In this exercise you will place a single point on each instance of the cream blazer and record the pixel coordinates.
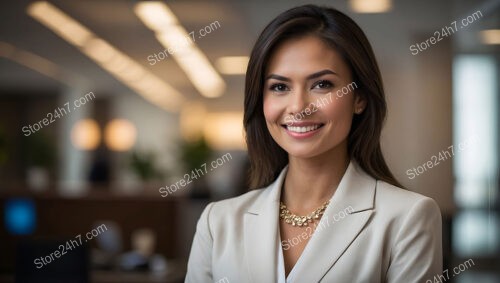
(376, 233)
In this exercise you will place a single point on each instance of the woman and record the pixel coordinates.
(325, 207)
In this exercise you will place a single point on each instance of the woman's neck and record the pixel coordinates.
(310, 182)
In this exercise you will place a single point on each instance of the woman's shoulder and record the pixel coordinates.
(389, 192)
(399, 201)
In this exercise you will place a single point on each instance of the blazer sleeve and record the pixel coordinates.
(417, 252)
(199, 267)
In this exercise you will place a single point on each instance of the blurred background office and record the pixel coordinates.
(121, 120)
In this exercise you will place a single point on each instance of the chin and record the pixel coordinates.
(308, 151)
(302, 151)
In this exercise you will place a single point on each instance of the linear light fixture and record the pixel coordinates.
(117, 63)
(232, 65)
(34, 62)
(60, 23)
(171, 34)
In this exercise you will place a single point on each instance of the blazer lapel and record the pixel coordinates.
(261, 233)
(350, 209)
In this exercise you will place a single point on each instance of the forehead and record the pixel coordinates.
(303, 56)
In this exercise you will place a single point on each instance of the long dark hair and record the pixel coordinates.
(341, 33)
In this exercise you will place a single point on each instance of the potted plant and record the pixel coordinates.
(40, 156)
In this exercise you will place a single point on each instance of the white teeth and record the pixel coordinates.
(302, 129)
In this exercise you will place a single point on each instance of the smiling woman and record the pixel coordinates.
(307, 170)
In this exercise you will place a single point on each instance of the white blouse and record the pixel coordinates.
(281, 261)
(281, 265)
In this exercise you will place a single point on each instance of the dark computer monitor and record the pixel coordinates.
(70, 267)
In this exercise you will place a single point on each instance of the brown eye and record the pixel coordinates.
(323, 84)
(278, 87)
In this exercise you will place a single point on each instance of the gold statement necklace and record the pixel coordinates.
(297, 220)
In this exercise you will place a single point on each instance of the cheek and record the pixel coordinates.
(339, 112)
(272, 109)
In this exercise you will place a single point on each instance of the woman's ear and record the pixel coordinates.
(359, 103)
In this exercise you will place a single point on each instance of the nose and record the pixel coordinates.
(299, 100)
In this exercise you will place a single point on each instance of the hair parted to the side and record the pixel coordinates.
(340, 32)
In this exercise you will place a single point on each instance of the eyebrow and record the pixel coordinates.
(310, 77)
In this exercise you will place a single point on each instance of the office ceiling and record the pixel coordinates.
(240, 23)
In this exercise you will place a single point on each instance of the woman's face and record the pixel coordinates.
(309, 98)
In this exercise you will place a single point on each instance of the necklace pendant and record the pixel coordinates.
(301, 221)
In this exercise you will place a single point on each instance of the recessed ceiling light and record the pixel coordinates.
(86, 134)
(224, 130)
(490, 36)
(120, 135)
(191, 120)
(370, 6)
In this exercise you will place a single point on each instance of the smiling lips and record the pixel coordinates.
(302, 130)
